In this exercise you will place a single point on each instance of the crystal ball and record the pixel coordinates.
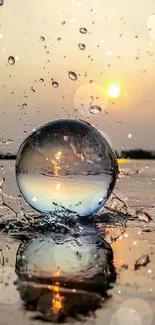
(66, 163)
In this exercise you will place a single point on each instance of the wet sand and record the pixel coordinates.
(132, 299)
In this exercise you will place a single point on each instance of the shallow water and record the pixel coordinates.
(136, 183)
(133, 295)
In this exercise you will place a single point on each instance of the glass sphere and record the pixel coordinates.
(66, 163)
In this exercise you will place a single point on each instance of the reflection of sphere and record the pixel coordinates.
(68, 257)
(75, 271)
(66, 163)
(88, 96)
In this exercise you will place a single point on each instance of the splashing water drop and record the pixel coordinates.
(72, 75)
(83, 30)
(33, 90)
(58, 165)
(24, 105)
(95, 110)
(42, 38)
(81, 46)
(11, 60)
(55, 84)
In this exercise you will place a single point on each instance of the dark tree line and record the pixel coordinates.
(131, 154)
(137, 154)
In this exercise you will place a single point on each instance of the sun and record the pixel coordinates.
(113, 90)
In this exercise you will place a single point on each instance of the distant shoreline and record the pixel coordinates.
(120, 159)
(136, 154)
(3, 157)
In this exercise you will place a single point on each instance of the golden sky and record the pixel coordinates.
(119, 48)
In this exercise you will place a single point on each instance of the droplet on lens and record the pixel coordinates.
(83, 30)
(72, 75)
(95, 110)
(81, 46)
(11, 60)
(58, 165)
(1, 2)
(41, 80)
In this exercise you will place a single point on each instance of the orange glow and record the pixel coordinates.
(57, 155)
(122, 160)
(56, 299)
(57, 273)
(58, 186)
(113, 90)
(116, 246)
(112, 206)
(56, 168)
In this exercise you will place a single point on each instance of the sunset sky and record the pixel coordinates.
(119, 49)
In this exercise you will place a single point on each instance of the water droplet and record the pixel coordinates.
(33, 90)
(81, 46)
(2, 168)
(24, 105)
(41, 80)
(42, 38)
(59, 39)
(72, 148)
(55, 84)
(83, 30)
(95, 110)
(11, 60)
(63, 23)
(1, 2)
(72, 75)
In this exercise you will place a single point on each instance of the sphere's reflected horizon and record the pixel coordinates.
(66, 163)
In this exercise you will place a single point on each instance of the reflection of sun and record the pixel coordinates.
(113, 90)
